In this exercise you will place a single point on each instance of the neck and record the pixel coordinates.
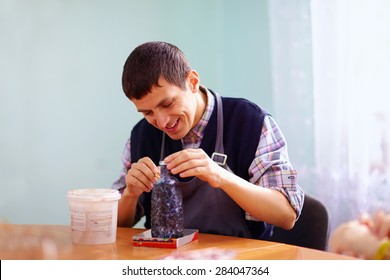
(201, 103)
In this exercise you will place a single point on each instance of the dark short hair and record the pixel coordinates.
(150, 61)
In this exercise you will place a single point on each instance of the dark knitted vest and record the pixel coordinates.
(242, 122)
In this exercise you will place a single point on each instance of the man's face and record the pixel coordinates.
(171, 109)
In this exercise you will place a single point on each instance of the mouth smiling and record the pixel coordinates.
(172, 126)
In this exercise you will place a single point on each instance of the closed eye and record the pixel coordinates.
(167, 105)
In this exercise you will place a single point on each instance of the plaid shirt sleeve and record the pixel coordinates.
(271, 167)
(120, 183)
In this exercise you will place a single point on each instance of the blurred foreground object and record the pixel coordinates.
(29, 243)
(366, 238)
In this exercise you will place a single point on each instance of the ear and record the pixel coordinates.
(193, 81)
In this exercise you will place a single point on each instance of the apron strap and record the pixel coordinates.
(219, 155)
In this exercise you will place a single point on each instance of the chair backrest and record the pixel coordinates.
(311, 230)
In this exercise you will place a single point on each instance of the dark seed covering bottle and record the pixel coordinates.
(167, 206)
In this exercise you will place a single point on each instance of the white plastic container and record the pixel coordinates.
(94, 215)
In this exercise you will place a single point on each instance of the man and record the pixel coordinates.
(229, 154)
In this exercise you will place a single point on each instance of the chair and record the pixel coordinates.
(311, 230)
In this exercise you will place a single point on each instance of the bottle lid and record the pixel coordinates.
(162, 162)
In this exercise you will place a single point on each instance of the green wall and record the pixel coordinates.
(63, 116)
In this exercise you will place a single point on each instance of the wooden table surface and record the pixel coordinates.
(55, 242)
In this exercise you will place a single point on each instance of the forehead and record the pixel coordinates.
(158, 94)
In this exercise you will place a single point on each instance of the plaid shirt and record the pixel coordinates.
(270, 168)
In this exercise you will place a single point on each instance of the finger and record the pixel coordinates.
(183, 156)
(195, 168)
(142, 174)
(149, 169)
(138, 176)
(150, 165)
(135, 186)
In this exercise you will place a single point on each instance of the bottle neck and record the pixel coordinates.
(164, 170)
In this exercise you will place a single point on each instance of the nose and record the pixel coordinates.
(161, 120)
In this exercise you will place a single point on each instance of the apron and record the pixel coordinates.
(208, 209)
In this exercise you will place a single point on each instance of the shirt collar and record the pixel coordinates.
(195, 136)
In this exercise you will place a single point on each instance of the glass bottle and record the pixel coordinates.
(167, 206)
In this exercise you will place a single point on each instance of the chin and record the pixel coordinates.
(175, 136)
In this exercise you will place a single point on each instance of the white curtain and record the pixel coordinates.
(345, 120)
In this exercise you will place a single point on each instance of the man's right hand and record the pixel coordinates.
(141, 176)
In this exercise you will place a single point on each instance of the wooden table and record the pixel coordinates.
(55, 242)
